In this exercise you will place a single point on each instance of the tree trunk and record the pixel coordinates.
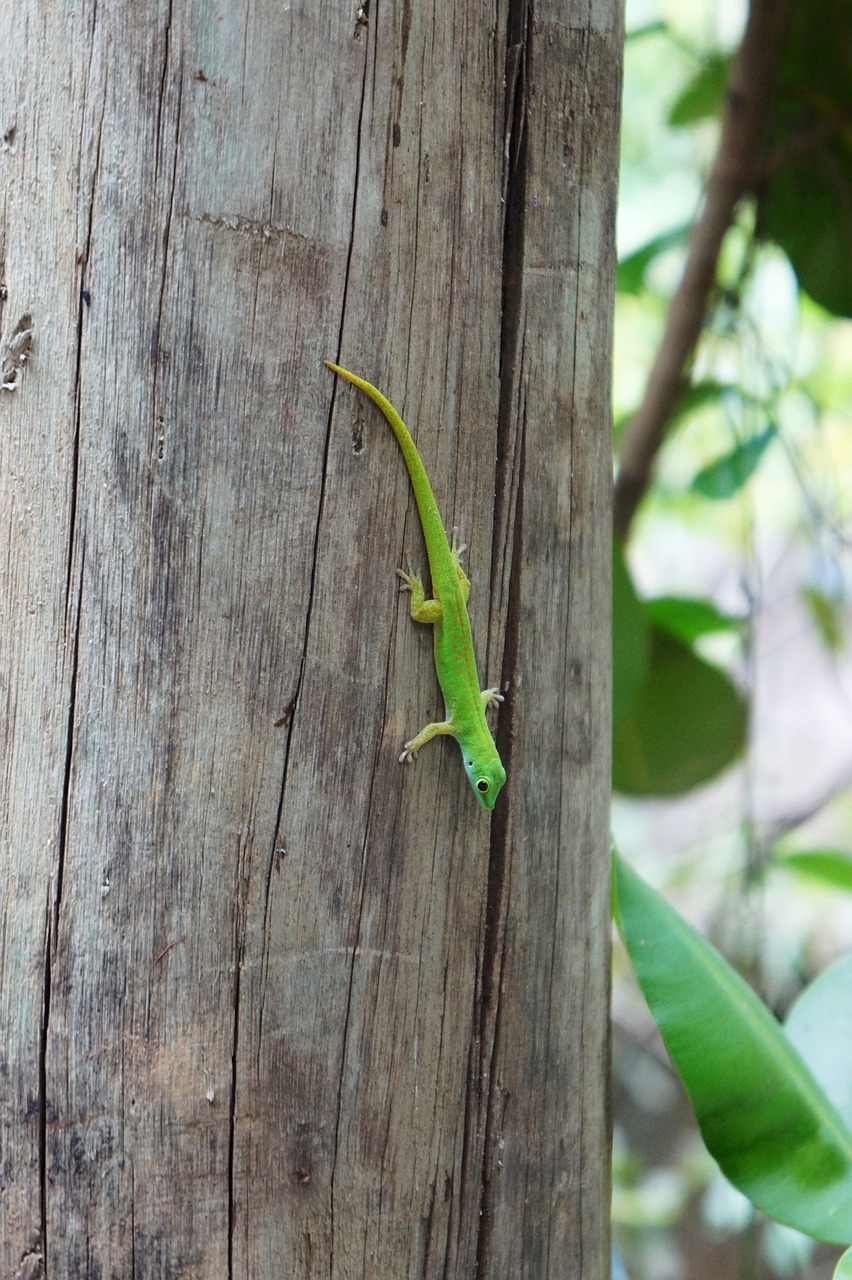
(271, 1005)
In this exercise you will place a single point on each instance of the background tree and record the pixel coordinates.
(269, 1005)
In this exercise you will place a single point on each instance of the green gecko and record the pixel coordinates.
(447, 612)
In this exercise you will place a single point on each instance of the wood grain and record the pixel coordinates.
(271, 1005)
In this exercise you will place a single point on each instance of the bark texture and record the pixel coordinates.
(269, 1004)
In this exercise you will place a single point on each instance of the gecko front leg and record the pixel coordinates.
(425, 735)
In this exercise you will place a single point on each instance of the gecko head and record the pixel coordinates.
(486, 775)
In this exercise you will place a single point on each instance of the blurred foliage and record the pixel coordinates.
(806, 206)
(685, 722)
(702, 96)
(751, 481)
(725, 476)
(832, 867)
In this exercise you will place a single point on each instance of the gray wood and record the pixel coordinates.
(271, 1005)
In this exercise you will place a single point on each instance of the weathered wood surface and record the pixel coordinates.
(269, 1005)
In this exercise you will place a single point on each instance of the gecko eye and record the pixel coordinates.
(482, 784)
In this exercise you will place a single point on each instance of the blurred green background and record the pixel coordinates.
(732, 667)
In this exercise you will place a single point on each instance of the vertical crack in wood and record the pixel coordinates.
(356, 178)
(307, 632)
(510, 449)
(169, 209)
(72, 632)
(78, 371)
(343, 1044)
(42, 1082)
(133, 1271)
(333, 1174)
(294, 702)
(497, 902)
(53, 910)
(232, 1104)
(160, 99)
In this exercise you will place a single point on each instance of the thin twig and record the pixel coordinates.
(166, 949)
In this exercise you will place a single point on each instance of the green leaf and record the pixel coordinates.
(703, 96)
(762, 1114)
(700, 394)
(843, 1270)
(807, 205)
(826, 611)
(696, 397)
(630, 638)
(686, 723)
(829, 866)
(688, 617)
(727, 475)
(655, 28)
(630, 276)
(819, 1024)
(808, 212)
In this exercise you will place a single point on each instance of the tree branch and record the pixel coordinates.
(734, 172)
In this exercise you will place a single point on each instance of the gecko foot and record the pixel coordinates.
(408, 579)
(455, 550)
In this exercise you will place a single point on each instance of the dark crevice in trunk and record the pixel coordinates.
(510, 425)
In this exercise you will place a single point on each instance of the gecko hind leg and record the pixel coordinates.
(491, 698)
(456, 552)
(422, 610)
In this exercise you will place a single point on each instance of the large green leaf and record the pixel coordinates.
(843, 1270)
(630, 638)
(762, 1114)
(685, 724)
